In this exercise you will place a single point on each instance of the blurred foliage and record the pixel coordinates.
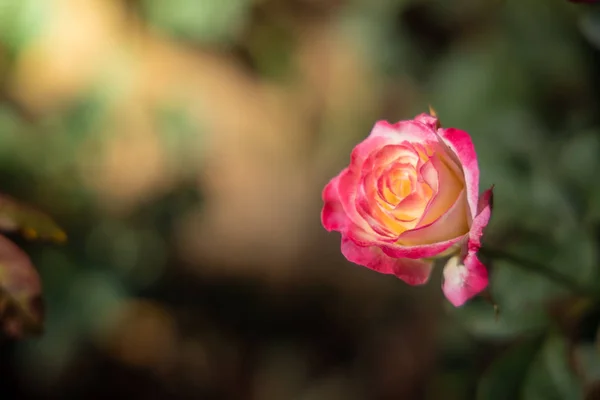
(21, 303)
(183, 146)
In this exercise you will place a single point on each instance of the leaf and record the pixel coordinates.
(21, 21)
(550, 376)
(205, 21)
(504, 377)
(588, 359)
(20, 292)
(33, 224)
(590, 28)
(485, 322)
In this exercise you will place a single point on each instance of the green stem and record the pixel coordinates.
(541, 269)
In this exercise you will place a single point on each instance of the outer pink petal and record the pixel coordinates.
(333, 216)
(428, 119)
(384, 133)
(481, 219)
(462, 146)
(413, 272)
(348, 182)
(420, 251)
(463, 281)
(411, 131)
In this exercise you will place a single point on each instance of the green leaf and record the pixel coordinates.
(20, 292)
(481, 320)
(578, 159)
(590, 28)
(206, 21)
(21, 22)
(32, 223)
(504, 377)
(550, 377)
(588, 359)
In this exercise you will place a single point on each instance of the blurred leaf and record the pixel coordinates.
(32, 223)
(577, 255)
(20, 291)
(546, 47)
(550, 376)
(20, 21)
(588, 360)
(524, 297)
(505, 376)
(590, 27)
(271, 48)
(578, 160)
(207, 20)
(182, 137)
(97, 296)
(474, 87)
(480, 320)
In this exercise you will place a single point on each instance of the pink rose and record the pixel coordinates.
(411, 194)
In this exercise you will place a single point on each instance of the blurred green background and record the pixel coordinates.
(183, 146)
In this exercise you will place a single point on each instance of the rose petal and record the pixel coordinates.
(461, 145)
(420, 251)
(410, 209)
(463, 281)
(409, 131)
(333, 216)
(428, 120)
(447, 190)
(382, 135)
(348, 185)
(452, 224)
(481, 220)
(374, 211)
(413, 272)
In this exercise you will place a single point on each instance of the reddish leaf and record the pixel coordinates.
(20, 292)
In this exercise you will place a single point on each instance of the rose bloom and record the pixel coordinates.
(410, 195)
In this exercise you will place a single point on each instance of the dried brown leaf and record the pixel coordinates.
(33, 224)
(21, 310)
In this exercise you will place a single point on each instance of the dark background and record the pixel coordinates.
(183, 146)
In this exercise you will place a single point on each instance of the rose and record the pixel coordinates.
(410, 195)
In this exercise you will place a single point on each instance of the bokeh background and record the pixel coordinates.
(183, 146)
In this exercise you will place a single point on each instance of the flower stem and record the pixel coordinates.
(541, 269)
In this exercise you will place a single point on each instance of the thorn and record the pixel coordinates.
(432, 111)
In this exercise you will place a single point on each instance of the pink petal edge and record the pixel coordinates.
(413, 272)
(463, 281)
(481, 219)
(333, 217)
(460, 143)
(428, 119)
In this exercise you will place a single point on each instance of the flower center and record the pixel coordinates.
(404, 191)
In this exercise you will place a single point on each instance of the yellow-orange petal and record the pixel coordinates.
(452, 224)
(447, 190)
